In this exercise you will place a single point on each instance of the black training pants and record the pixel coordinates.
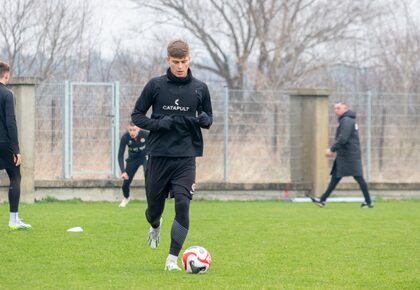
(131, 168)
(13, 171)
(335, 180)
(14, 188)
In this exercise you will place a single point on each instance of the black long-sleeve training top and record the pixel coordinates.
(8, 128)
(182, 99)
(136, 148)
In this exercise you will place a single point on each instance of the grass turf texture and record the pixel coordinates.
(254, 245)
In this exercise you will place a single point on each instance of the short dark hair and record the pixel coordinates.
(131, 123)
(178, 48)
(4, 68)
(341, 103)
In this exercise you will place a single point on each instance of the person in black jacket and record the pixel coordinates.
(348, 161)
(181, 106)
(10, 158)
(135, 139)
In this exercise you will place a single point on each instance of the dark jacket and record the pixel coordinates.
(347, 146)
(8, 128)
(136, 148)
(175, 102)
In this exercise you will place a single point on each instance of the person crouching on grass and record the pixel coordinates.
(135, 139)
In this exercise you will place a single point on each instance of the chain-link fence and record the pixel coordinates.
(49, 130)
(248, 142)
(83, 132)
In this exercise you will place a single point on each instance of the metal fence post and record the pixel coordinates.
(369, 136)
(115, 124)
(226, 136)
(67, 128)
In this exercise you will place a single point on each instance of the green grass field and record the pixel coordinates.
(254, 245)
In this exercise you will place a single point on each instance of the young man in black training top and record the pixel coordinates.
(10, 158)
(181, 106)
(348, 161)
(135, 139)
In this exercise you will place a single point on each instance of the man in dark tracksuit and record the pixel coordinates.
(135, 139)
(348, 161)
(181, 106)
(10, 158)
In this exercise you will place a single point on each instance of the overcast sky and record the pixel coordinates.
(122, 19)
(115, 19)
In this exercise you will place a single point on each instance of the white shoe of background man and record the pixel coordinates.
(124, 202)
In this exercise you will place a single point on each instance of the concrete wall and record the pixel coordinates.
(110, 190)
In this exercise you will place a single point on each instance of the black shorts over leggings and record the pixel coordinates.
(167, 176)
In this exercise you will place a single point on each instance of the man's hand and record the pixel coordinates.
(329, 153)
(17, 159)
(203, 120)
(124, 176)
(165, 123)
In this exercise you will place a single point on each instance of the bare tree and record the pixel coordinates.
(396, 54)
(300, 38)
(397, 46)
(15, 25)
(269, 42)
(40, 35)
(223, 27)
(137, 69)
(127, 66)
